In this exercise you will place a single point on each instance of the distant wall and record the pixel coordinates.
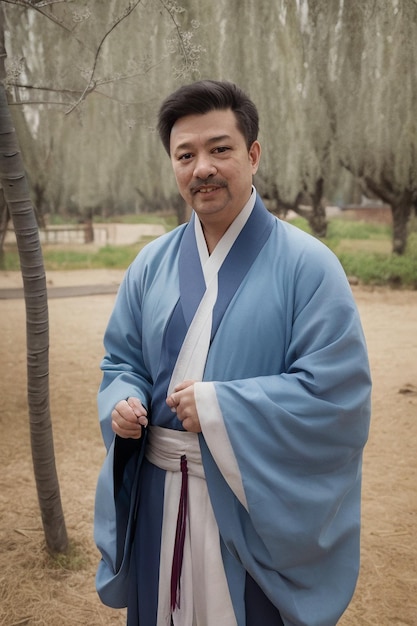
(99, 234)
(378, 214)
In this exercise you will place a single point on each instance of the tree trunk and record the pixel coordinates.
(401, 207)
(317, 219)
(401, 213)
(4, 221)
(17, 197)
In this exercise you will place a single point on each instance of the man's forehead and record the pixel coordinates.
(213, 126)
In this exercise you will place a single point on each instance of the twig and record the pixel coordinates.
(91, 84)
(23, 531)
(177, 28)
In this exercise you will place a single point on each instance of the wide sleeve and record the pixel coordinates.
(297, 436)
(124, 375)
(124, 370)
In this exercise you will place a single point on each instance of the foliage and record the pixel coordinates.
(169, 221)
(67, 258)
(363, 249)
(91, 82)
(353, 229)
(378, 269)
(315, 65)
(339, 229)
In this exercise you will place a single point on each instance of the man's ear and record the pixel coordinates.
(255, 156)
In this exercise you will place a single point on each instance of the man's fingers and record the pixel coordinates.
(137, 407)
(127, 433)
(128, 418)
(175, 398)
(126, 428)
(172, 402)
(184, 385)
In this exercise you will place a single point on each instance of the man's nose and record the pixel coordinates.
(204, 166)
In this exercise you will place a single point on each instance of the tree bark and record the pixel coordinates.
(317, 219)
(401, 213)
(315, 216)
(401, 207)
(16, 193)
(4, 221)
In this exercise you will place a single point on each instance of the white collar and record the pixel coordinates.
(212, 263)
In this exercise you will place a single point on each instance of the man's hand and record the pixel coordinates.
(182, 402)
(128, 417)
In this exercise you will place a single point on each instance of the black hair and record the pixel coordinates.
(202, 97)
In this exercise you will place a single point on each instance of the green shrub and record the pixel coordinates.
(378, 269)
(364, 250)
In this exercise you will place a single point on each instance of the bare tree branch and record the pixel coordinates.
(78, 92)
(372, 187)
(33, 4)
(38, 7)
(38, 102)
(42, 88)
(91, 83)
(170, 11)
(43, 3)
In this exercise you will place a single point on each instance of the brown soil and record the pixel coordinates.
(34, 590)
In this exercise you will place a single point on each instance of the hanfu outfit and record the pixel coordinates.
(257, 518)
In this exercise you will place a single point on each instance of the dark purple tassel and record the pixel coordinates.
(179, 538)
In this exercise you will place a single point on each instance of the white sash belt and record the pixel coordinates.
(165, 448)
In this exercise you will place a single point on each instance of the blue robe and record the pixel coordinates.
(289, 363)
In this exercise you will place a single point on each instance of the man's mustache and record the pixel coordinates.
(212, 182)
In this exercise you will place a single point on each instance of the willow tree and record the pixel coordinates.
(267, 47)
(335, 83)
(295, 131)
(374, 87)
(340, 90)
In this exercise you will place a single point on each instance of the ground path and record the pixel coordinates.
(34, 592)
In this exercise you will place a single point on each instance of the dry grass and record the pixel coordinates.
(37, 590)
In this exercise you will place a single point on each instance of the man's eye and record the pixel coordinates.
(220, 149)
(185, 157)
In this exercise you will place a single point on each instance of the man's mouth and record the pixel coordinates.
(206, 188)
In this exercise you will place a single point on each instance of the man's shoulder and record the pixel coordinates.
(169, 242)
(302, 258)
(299, 241)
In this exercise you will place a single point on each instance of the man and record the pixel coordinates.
(234, 403)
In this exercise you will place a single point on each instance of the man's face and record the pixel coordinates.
(213, 166)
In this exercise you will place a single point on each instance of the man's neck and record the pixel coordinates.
(214, 230)
(213, 236)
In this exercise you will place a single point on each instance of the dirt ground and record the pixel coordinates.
(34, 591)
